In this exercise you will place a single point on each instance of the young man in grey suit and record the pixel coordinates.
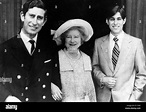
(118, 62)
(27, 63)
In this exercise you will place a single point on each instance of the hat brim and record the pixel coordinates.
(70, 23)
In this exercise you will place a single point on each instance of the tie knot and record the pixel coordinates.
(31, 41)
(115, 39)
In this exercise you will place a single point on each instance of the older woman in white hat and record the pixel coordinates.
(75, 66)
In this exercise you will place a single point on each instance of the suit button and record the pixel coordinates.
(26, 99)
(5, 50)
(18, 76)
(44, 97)
(26, 88)
(39, 79)
(44, 86)
(22, 65)
(47, 74)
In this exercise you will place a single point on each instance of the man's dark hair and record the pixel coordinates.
(34, 3)
(112, 10)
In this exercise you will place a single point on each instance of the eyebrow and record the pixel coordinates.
(36, 15)
(114, 17)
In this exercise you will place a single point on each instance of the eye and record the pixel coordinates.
(68, 37)
(119, 18)
(76, 36)
(111, 19)
(32, 15)
(40, 18)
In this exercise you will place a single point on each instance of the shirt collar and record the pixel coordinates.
(120, 36)
(26, 38)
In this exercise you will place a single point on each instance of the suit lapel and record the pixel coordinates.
(123, 52)
(20, 52)
(105, 50)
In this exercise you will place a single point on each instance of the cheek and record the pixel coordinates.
(110, 25)
(66, 42)
(26, 24)
(111, 28)
(80, 42)
(41, 23)
(122, 24)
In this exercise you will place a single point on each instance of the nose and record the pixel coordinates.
(115, 21)
(72, 39)
(34, 21)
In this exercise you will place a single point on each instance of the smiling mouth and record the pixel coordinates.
(72, 44)
(33, 28)
(116, 27)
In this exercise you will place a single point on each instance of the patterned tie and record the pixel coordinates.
(32, 45)
(115, 53)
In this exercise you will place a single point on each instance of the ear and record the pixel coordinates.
(107, 22)
(124, 21)
(22, 16)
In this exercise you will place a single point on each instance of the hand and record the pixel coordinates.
(12, 99)
(109, 81)
(56, 92)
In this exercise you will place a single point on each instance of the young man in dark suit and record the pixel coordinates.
(27, 64)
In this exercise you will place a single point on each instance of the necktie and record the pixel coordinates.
(115, 53)
(32, 45)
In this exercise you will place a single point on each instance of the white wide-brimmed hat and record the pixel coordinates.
(70, 23)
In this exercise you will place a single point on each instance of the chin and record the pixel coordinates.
(73, 49)
(116, 32)
(33, 32)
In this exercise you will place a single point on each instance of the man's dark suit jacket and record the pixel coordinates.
(31, 76)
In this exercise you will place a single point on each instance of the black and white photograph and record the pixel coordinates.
(73, 52)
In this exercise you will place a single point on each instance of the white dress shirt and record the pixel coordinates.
(26, 39)
(112, 42)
